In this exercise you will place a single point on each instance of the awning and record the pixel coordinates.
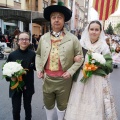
(22, 15)
(38, 18)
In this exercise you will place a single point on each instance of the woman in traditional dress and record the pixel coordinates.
(92, 100)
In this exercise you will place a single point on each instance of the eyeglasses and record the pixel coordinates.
(24, 39)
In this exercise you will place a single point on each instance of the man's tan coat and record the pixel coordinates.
(68, 49)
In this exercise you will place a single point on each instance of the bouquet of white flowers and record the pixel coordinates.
(14, 70)
(97, 64)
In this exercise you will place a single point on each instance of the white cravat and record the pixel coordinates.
(55, 34)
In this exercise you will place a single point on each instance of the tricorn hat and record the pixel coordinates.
(59, 7)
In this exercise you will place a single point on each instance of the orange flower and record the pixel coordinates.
(87, 68)
(90, 67)
(19, 78)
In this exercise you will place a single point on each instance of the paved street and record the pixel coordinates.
(37, 102)
(38, 113)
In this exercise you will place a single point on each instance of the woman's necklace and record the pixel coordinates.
(92, 42)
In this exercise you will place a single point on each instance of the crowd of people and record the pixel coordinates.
(4, 38)
(9, 42)
(113, 42)
(59, 56)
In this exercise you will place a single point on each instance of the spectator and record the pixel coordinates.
(28, 62)
(17, 31)
(0, 34)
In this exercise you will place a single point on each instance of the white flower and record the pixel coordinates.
(99, 58)
(10, 68)
(93, 61)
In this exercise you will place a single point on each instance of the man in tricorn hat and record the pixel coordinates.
(55, 60)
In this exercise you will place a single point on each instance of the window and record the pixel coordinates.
(36, 9)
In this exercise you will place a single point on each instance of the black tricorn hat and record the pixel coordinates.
(57, 8)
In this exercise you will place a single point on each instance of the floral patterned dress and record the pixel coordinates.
(91, 100)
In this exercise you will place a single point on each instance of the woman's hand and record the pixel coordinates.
(78, 58)
(40, 74)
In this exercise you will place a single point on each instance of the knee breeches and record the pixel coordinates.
(56, 89)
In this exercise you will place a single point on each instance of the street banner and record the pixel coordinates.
(105, 8)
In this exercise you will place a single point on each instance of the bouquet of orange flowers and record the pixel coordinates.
(14, 70)
(97, 64)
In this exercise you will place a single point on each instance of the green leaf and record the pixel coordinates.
(19, 61)
(89, 57)
(108, 66)
(21, 84)
(100, 72)
(12, 83)
(89, 73)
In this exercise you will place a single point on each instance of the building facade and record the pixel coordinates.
(28, 15)
(114, 20)
(25, 14)
(78, 14)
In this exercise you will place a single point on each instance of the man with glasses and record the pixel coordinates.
(27, 56)
(55, 60)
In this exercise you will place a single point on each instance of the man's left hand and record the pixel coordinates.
(66, 75)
